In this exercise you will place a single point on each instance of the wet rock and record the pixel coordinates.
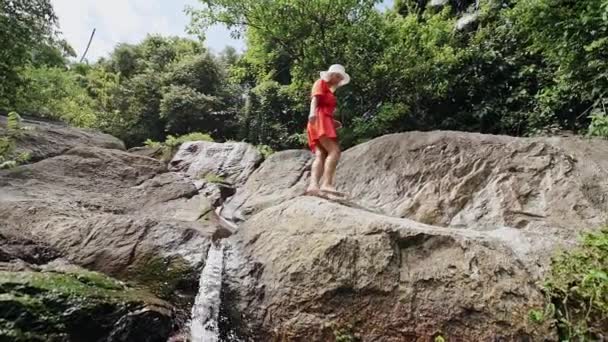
(77, 305)
(136, 326)
(19, 248)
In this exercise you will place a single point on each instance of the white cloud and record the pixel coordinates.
(128, 21)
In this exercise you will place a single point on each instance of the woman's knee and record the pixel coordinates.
(320, 153)
(330, 146)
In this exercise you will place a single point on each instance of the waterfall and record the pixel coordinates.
(206, 309)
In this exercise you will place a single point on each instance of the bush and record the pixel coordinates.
(265, 150)
(599, 125)
(170, 146)
(8, 157)
(271, 116)
(56, 94)
(578, 288)
(185, 110)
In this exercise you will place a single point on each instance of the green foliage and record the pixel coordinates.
(513, 72)
(599, 125)
(214, 179)
(265, 150)
(439, 338)
(526, 67)
(272, 115)
(196, 136)
(578, 287)
(345, 335)
(55, 93)
(538, 316)
(9, 158)
(152, 143)
(166, 86)
(185, 110)
(26, 26)
(13, 122)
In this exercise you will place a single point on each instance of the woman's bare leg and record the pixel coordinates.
(317, 169)
(331, 162)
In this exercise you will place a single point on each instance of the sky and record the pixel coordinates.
(129, 21)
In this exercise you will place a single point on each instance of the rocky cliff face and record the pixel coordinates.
(445, 234)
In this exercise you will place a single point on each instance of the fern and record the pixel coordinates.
(8, 157)
(14, 121)
(153, 144)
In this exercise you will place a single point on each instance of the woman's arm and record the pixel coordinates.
(313, 109)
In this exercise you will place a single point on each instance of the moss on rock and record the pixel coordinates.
(170, 278)
(72, 306)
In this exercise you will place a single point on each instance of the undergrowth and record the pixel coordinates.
(577, 289)
(9, 158)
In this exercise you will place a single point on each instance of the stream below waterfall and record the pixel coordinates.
(204, 326)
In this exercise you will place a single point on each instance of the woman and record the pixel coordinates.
(322, 136)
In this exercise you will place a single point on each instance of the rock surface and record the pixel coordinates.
(497, 208)
(308, 268)
(445, 234)
(231, 162)
(284, 175)
(474, 181)
(113, 212)
(48, 139)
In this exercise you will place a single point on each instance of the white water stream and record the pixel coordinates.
(206, 309)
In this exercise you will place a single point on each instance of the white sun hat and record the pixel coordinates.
(336, 69)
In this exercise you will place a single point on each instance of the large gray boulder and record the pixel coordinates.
(552, 185)
(309, 269)
(232, 162)
(457, 180)
(48, 139)
(458, 236)
(113, 212)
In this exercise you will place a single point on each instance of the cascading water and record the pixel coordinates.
(206, 309)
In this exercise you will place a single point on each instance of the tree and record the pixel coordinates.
(55, 93)
(199, 72)
(300, 34)
(161, 86)
(571, 37)
(291, 41)
(25, 26)
(186, 110)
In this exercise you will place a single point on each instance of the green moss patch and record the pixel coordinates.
(168, 278)
(75, 306)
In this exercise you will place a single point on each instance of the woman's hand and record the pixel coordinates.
(337, 124)
(312, 116)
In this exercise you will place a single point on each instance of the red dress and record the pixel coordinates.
(323, 126)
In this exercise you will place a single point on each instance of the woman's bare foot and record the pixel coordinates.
(312, 191)
(331, 190)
